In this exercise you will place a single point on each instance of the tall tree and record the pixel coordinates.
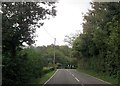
(100, 38)
(20, 20)
(19, 23)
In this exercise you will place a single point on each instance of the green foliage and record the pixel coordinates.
(15, 69)
(97, 48)
(47, 69)
(26, 66)
(35, 63)
(19, 23)
(43, 79)
(62, 55)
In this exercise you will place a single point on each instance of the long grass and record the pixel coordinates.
(101, 76)
(43, 79)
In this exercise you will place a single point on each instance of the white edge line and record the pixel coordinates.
(102, 80)
(50, 78)
(97, 78)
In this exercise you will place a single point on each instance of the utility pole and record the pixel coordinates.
(54, 53)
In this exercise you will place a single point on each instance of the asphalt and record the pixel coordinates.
(71, 77)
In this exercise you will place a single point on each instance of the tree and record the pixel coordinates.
(99, 41)
(70, 38)
(19, 22)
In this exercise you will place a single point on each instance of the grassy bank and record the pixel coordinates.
(43, 79)
(102, 76)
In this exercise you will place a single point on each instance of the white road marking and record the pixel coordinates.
(101, 80)
(50, 78)
(97, 78)
(73, 75)
(77, 79)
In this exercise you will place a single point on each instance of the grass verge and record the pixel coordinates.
(44, 78)
(101, 76)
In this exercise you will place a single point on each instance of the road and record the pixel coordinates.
(71, 77)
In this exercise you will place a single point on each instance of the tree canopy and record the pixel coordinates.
(97, 48)
(20, 20)
(19, 23)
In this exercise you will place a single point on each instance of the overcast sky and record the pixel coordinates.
(68, 20)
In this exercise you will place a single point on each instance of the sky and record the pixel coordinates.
(67, 21)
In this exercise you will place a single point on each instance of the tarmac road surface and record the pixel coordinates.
(71, 77)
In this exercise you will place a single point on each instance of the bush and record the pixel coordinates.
(47, 70)
(21, 69)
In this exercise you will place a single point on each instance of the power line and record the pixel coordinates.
(57, 42)
(54, 61)
(48, 33)
(51, 36)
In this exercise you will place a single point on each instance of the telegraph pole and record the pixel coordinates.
(54, 53)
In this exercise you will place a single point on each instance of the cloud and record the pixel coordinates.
(68, 20)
